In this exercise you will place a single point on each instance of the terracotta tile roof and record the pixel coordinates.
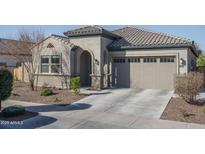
(139, 38)
(90, 30)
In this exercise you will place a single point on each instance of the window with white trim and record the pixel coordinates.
(55, 64)
(51, 64)
(45, 64)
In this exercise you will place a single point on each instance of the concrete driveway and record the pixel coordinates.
(117, 108)
(147, 103)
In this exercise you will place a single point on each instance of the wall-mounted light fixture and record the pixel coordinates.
(182, 62)
(96, 62)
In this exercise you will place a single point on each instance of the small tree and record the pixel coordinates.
(201, 61)
(189, 86)
(75, 85)
(6, 82)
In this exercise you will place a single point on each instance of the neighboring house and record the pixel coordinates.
(127, 57)
(9, 60)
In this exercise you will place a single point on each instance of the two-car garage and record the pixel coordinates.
(153, 72)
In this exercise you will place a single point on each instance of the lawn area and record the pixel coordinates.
(180, 110)
(22, 92)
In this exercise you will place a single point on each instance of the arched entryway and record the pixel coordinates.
(85, 69)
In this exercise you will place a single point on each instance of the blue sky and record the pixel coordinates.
(196, 33)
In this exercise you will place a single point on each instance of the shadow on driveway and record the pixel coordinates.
(53, 108)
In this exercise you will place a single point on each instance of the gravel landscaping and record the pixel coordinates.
(22, 92)
(180, 110)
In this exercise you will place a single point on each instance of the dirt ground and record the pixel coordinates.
(180, 110)
(22, 92)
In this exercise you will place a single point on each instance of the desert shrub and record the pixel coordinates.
(46, 92)
(189, 86)
(12, 111)
(185, 113)
(75, 85)
(6, 83)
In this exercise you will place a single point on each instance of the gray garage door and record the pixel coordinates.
(144, 72)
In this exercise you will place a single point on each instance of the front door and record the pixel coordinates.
(85, 69)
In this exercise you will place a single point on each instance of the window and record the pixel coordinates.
(119, 60)
(50, 64)
(55, 64)
(167, 60)
(44, 64)
(134, 60)
(150, 60)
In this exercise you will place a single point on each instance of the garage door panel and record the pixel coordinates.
(121, 75)
(154, 75)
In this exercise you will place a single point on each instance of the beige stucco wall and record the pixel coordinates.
(91, 44)
(57, 81)
(105, 62)
(191, 60)
(60, 48)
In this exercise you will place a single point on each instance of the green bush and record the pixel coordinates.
(75, 85)
(201, 60)
(6, 83)
(13, 111)
(46, 92)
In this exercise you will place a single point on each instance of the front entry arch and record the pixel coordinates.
(85, 69)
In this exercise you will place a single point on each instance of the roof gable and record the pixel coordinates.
(62, 39)
(90, 31)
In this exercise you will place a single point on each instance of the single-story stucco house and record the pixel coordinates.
(127, 57)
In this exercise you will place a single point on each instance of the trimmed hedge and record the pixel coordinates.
(13, 111)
